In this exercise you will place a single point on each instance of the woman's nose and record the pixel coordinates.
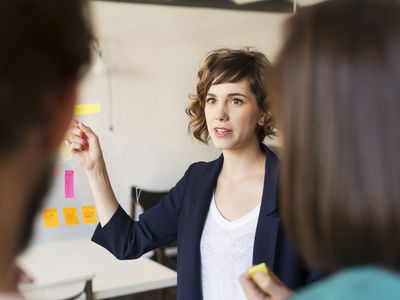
(221, 113)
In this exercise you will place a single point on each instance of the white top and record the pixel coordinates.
(226, 252)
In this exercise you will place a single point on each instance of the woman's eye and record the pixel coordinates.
(211, 100)
(236, 101)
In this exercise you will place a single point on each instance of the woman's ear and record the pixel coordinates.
(261, 119)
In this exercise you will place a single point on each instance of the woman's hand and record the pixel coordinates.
(84, 146)
(266, 286)
(85, 149)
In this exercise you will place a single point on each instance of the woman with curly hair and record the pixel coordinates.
(222, 213)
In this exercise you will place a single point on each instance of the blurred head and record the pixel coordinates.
(220, 68)
(336, 92)
(44, 52)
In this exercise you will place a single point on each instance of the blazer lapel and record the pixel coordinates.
(203, 195)
(268, 221)
(199, 207)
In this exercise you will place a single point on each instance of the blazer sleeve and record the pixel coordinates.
(157, 226)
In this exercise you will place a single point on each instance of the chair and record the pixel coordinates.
(148, 199)
(79, 288)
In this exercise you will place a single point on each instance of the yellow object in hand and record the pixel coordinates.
(257, 268)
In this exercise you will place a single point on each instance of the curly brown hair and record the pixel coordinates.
(229, 65)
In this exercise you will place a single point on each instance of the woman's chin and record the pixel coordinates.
(222, 145)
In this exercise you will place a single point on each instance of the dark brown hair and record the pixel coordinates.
(336, 91)
(228, 65)
(44, 47)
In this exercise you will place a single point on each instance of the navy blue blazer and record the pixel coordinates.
(181, 215)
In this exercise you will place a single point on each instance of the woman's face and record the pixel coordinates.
(232, 115)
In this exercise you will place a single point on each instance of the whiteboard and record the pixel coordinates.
(150, 57)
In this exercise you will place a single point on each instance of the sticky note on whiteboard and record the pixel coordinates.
(87, 109)
(50, 217)
(69, 190)
(89, 215)
(71, 215)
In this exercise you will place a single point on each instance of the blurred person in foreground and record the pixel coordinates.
(44, 51)
(336, 97)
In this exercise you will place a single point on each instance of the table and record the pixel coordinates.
(66, 260)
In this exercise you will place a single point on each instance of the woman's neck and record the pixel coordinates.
(248, 159)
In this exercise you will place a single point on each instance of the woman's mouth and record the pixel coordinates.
(221, 132)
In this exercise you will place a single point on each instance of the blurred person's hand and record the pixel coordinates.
(19, 275)
(265, 286)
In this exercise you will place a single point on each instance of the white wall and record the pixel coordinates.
(152, 54)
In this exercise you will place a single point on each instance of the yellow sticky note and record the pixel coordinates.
(257, 268)
(89, 215)
(87, 109)
(71, 215)
(50, 217)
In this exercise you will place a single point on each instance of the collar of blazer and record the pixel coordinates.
(269, 197)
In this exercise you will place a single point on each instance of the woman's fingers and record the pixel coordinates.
(75, 142)
(251, 291)
(87, 130)
(74, 122)
(76, 139)
(79, 136)
(79, 128)
(77, 131)
(77, 146)
(265, 286)
(271, 285)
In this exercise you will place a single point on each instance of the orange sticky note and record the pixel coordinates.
(50, 217)
(71, 215)
(89, 215)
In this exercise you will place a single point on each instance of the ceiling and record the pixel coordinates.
(248, 5)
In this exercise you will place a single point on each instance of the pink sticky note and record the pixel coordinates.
(69, 184)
